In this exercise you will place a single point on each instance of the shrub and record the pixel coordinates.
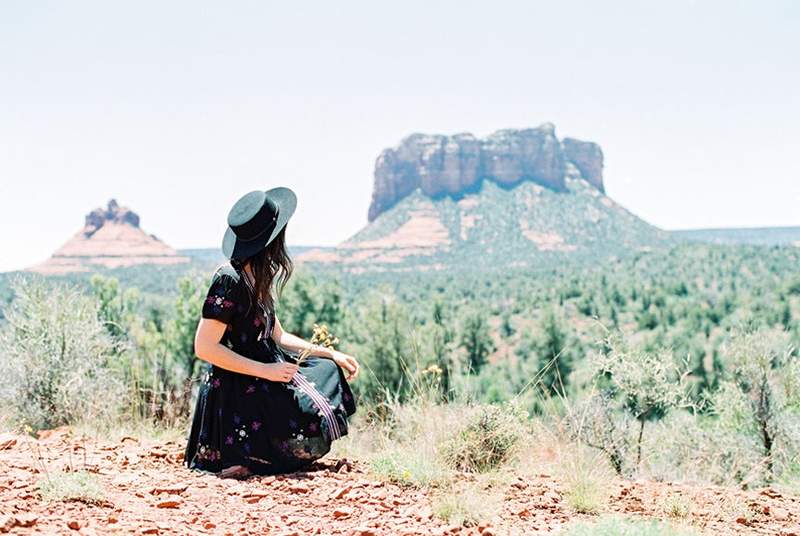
(648, 384)
(595, 422)
(56, 358)
(487, 440)
(759, 395)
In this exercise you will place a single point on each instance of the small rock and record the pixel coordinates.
(487, 532)
(552, 496)
(150, 530)
(7, 441)
(175, 489)
(363, 531)
(299, 487)
(73, 524)
(341, 492)
(779, 514)
(111, 519)
(6, 523)
(208, 525)
(169, 503)
(26, 520)
(341, 512)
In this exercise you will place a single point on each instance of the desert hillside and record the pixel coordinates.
(516, 198)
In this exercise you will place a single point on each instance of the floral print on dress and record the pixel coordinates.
(219, 303)
(207, 453)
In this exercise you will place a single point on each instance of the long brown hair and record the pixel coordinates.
(271, 266)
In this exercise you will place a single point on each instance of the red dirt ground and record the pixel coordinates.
(148, 491)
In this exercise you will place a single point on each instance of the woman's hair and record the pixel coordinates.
(271, 266)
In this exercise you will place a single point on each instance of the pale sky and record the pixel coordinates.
(178, 108)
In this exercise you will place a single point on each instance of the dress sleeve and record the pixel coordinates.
(223, 299)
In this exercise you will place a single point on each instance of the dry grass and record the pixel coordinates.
(619, 526)
(585, 477)
(468, 503)
(78, 486)
(732, 507)
(678, 506)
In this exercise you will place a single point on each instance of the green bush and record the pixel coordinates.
(759, 395)
(486, 440)
(57, 358)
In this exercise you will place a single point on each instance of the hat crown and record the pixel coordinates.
(252, 215)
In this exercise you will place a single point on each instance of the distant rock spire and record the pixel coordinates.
(110, 238)
(112, 213)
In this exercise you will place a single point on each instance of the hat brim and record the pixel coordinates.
(235, 248)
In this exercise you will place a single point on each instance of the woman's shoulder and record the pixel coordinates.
(226, 276)
(225, 270)
(226, 298)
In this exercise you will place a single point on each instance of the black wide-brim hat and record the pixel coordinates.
(255, 220)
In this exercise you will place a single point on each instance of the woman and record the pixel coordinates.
(258, 411)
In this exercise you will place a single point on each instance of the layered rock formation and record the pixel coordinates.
(518, 198)
(111, 237)
(454, 165)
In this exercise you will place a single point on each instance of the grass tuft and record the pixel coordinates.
(79, 486)
(467, 504)
(677, 506)
(585, 476)
(617, 526)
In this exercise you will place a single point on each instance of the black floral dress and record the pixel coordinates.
(268, 427)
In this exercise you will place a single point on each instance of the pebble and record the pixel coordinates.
(169, 503)
(363, 531)
(779, 514)
(299, 487)
(26, 520)
(6, 523)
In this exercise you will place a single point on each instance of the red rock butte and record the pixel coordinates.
(110, 238)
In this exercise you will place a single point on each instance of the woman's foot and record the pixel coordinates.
(235, 471)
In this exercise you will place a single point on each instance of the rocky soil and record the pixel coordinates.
(146, 490)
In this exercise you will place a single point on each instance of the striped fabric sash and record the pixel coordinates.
(319, 401)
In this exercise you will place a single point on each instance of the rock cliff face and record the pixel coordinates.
(454, 165)
(110, 238)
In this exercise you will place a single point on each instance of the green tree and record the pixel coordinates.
(307, 301)
(647, 384)
(476, 340)
(551, 351)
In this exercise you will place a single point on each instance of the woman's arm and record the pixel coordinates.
(207, 346)
(293, 343)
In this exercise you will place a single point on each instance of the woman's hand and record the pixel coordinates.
(347, 362)
(279, 372)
